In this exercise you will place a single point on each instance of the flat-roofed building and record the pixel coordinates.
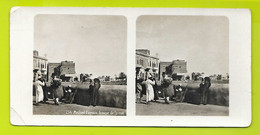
(39, 63)
(162, 68)
(146, 61)
(64, 70)
(176, 69)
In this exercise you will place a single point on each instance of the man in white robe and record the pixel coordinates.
(149, 89)
(39, 91)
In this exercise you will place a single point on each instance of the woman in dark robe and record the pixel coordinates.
(166, 82)
(57, 90)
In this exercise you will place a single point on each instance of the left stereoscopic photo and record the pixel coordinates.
(79, 65)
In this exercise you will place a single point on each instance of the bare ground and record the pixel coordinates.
(159, 108)
(73, 109)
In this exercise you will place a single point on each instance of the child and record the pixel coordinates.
(68, 94)
(178, 93)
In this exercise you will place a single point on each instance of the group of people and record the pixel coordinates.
(204, 90)
(94, 88)
(149, 87)
(59, 93)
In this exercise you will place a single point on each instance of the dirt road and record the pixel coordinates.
(74, 109)
(159, 108)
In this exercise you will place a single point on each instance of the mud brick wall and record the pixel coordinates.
(109, 95)
(218, 93)
(112, 96)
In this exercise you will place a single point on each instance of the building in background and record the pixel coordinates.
(144, 60)
(162, 68)
(40, 63)
(176, 69)
(64, 70)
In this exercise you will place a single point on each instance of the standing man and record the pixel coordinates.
(138, 83)
(201, 90)
(39, 91)
(149, 89)
(96, 87)
(146, 75)
(205, 90)
(155, 87)
(90, 78)
(45, 92)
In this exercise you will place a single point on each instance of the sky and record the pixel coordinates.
(97, 44)
(203, 41)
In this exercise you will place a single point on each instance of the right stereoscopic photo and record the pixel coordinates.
(182, 65)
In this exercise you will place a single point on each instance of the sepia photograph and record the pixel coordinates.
(182, 65)
(79, 65)
(140, 67)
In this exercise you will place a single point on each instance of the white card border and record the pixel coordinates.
(21, 47)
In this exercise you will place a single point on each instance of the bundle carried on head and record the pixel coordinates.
(56, 82)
